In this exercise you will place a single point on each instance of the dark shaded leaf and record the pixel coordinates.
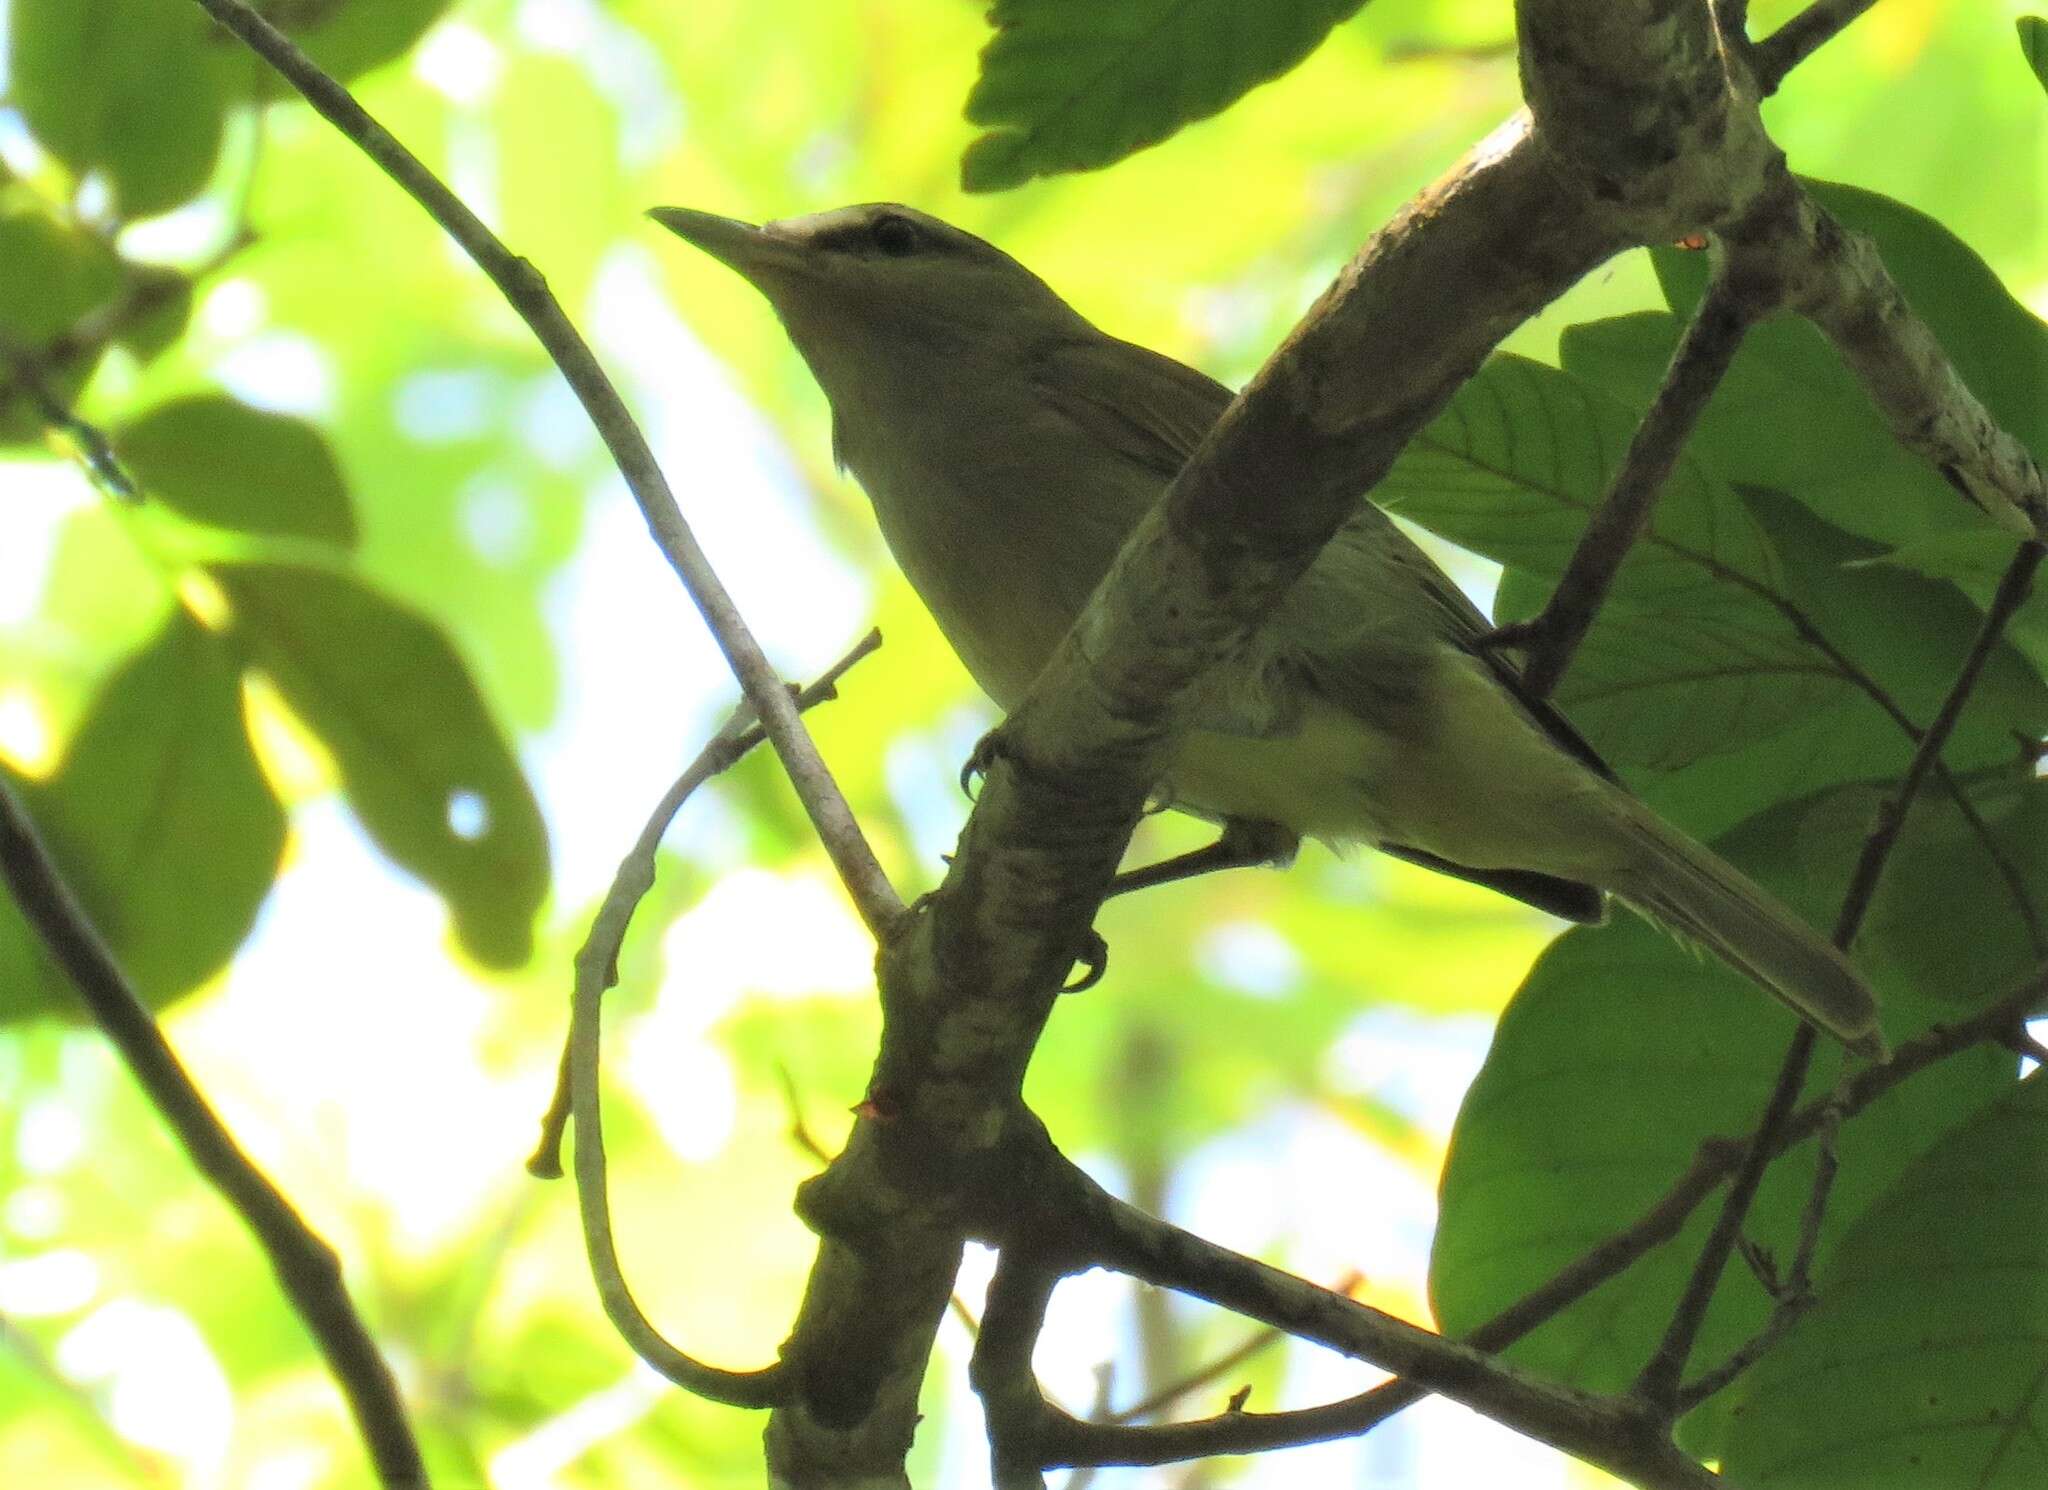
(219, 461)
(2034, 45)
(1073, 85)
(1925, 1360)
(423, 763)
(1623, 1051)
(160, 819)
(136, 89)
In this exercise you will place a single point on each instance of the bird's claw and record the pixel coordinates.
(987, 750)
(1094, 960)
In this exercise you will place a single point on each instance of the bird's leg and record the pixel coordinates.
(1244, 842)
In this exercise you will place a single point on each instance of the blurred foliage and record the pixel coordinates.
(377, 561)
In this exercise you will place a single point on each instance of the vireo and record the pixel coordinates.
(1009, 447)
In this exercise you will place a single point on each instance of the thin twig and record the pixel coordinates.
(1210, 1371)
(635, 877)
(1799, 38)
(95, 450)
(1079, 1442)
(306, 1267)
(1103, 1231)
(2011, 593)
(597, 965)
(1658, 1382)
(527, 292)
(1702, 358)
(1791, 1294)
(1661, 1376)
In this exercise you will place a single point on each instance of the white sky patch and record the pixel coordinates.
(163, 1388)
(536, 1460)
(766, 935)
(233, 309)
(314, 1001)
(180, 236)
(62, 1281)
(34, 1213)
(441, 406)
(281, 371)
(733, 478)
(621, 63)
(49, 1136)
(1250, 957)
(496, 518)
(41, 494)
(459, 62)
(26, 742)
(1418, 1064)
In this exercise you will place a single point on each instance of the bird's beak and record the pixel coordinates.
(750, 251)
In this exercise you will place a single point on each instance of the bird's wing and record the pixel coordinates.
(1145, 406)
(1154, 411)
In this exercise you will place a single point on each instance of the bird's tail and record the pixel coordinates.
(1691, 890)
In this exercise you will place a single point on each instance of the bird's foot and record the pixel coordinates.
(1244, 842)
(986, 752)
(1094, 960)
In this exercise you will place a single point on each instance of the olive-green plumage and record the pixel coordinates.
(1009, 447)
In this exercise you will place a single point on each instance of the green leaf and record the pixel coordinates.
(349, 37)
(1893, 642)
(218, 461)
(1690, 657)
(1523, 453)
(2034, 45)
(160, 819)
(137, 89)
(1790, 416)
(423, 763)
(1924, 1362)
(54, 275)
(1623, 1051)
(1072, 85)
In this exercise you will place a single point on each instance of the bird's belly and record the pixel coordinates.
(1468, 780)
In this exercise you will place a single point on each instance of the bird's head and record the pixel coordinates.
(878, 289)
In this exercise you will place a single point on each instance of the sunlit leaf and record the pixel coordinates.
(348, 37)
(136, 89)
(422, 762)
(54, 275)
(219, 461)
(1071, 85)
(1922, 1363)
(160, 820)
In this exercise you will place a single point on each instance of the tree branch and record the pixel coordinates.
(527, 292)
(1098, 1229)
(1719, 323)
(1837, 280)
(306, 1267)
(1802, 36)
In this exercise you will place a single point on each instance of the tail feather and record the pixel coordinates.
(1692, 891)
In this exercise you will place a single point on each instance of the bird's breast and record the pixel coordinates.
(1003, 523)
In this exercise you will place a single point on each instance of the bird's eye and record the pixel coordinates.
(894, 235)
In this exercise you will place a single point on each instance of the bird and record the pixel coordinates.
(1009, 446)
